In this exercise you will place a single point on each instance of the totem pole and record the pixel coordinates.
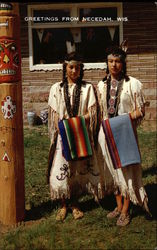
(12, 203)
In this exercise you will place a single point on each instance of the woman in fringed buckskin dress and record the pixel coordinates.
(69, 179)
(119, 94)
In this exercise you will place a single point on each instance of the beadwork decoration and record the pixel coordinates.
(8, 107)
(113, 90)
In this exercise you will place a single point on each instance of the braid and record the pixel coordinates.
(74, 108)
(105, 78)
(64, 75)
(81, 74)
(125, 72)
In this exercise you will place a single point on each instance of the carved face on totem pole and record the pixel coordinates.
(6, 8)
(9, 61)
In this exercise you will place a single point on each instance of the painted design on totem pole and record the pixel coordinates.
(6, 157)
(2, 143)
(9, 61)
(5, 6)
(4, 24)
(8, 107)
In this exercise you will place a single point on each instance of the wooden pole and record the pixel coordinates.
(12, 198)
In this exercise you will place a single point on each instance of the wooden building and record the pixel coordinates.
(89, 28)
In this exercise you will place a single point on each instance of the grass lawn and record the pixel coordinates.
(94, 231)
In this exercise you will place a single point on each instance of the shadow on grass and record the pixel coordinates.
(88, 205)
(108, 203)
(151, 190)
(149, 171)
(44, 210)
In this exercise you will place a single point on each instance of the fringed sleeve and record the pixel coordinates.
(138, 100)
(53, 118)
(92, 110)
(99, 114)
(102, 93)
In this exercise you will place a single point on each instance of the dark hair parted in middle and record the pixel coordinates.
(72, 57)
(117, 52)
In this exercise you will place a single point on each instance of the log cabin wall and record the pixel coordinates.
(140, 30)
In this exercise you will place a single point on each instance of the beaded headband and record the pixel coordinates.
(116, 55)
(73, 61)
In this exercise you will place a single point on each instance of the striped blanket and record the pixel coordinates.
(121, 141)
(75, 138)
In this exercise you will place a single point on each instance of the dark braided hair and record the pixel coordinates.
(72, 110)
(116, 51)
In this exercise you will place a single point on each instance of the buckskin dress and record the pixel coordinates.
(127, 180)
(73, 178)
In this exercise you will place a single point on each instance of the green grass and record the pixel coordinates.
(36, 145)
(94, 231)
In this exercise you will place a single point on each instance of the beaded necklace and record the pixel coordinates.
(72, 109)
(113, 96)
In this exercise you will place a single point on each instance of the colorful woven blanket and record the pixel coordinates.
(75, 138)
(121, 141)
